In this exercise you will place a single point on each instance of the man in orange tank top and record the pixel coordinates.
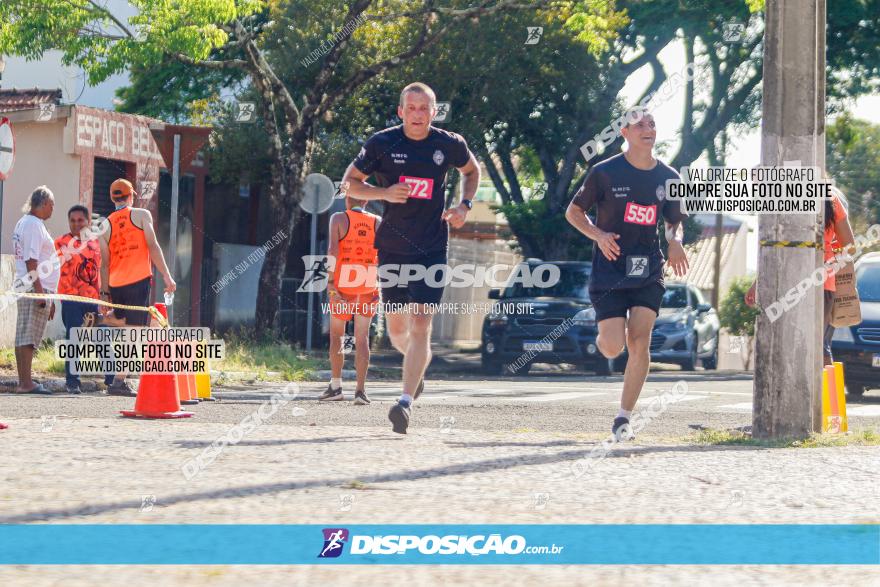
(128, 252)
(353, 293)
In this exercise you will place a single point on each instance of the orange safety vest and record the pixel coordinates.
(356, 250)
(129, 254)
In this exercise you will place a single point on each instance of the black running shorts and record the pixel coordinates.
(426, 290)
(615, 303)
(133, 294)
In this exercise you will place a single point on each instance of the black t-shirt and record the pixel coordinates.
(414, 228)
(629, 202)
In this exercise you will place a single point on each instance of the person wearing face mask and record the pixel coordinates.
(129, 250)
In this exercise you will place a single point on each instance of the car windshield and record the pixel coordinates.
(573, 282)
(868, 282)
(675, 297)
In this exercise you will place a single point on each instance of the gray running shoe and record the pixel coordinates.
(332, 395)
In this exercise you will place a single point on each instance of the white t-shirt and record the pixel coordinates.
(31, 240)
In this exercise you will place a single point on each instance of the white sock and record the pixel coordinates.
(336, 383)
(405, 399)
(621, 413)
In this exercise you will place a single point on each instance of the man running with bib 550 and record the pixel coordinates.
(409, 163)
(626, 283)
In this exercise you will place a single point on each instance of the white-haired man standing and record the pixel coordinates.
(36, 271)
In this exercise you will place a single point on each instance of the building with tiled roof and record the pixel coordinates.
(28, 99)
(701, 254)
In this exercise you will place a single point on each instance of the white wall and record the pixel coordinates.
(9, 309)
(466, 328)
(40, 160)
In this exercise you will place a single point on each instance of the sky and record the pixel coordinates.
(50, 73)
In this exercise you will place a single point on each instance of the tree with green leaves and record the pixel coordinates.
(736, 317)
(568, 88)
(853, 161)
(339, 47)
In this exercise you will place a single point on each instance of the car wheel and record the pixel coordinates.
(602, 367)
(491, 366)
(524, 370)
(855, 389)
(618, 365)
(711, 362)
(690, 364)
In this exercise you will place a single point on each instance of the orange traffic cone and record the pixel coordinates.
(157, 394)
(193, 388)
(186, 391)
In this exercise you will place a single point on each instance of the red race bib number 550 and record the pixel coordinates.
(638, 214)
(419, 187)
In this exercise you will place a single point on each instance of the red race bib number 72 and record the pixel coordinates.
(638, 214)
(419, 187)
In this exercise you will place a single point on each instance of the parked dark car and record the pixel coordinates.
(543, 325)
(858, 347)
(558, 325)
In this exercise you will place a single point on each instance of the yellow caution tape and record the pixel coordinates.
(793, 244)
(811, 244)
(154, 312)
(859, 246)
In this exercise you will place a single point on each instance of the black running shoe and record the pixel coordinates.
(361, 399)
(419, 389)
(399, 416)
(332, 395)
(622, 430)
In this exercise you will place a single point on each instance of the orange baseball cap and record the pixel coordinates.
(120, 189)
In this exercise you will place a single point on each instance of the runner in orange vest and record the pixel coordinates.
(128, 251)
(353, 293)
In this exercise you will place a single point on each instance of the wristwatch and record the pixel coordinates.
(468, 204)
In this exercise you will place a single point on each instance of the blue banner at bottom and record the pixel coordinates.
(686, 544)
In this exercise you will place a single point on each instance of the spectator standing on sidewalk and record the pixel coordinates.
(36, 271)
(80, 276)
(129, 250)
(838, 236)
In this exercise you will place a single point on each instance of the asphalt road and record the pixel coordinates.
(519, 450)
(547, 403)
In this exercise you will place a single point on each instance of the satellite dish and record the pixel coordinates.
(318, 193)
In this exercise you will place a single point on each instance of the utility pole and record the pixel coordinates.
(718, 158)
(788, 352)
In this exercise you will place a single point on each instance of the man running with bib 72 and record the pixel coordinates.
(409, 163)
(626, 283)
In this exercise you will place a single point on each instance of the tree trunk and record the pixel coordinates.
(284, 196)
